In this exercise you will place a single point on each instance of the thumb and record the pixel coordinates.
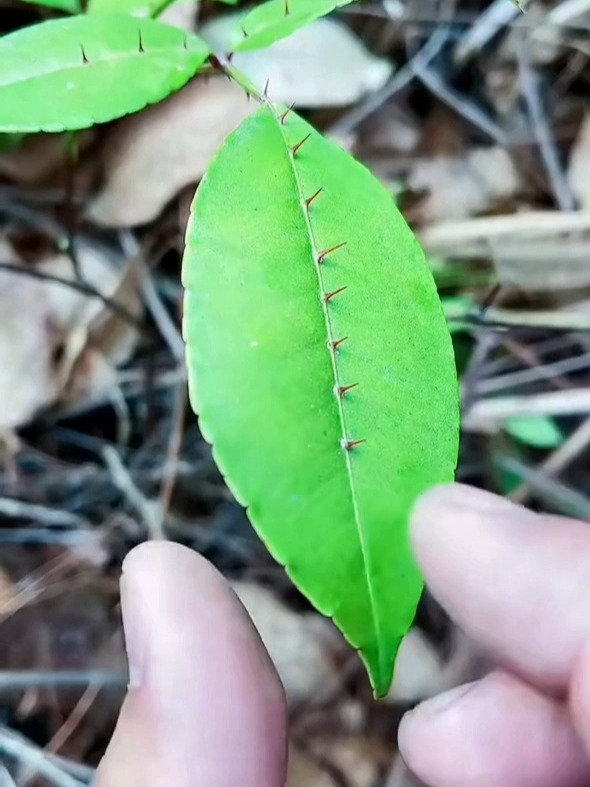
(205, 707)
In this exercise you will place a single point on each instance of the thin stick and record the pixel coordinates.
(73, 284)
(542, 130)
(565, 500)
(21, 680)
(166, 325)
(541, 372)
(556, 463)
(488, 413)
(52, 517)
(397, 83)
(534, 223)
(29, 755)
(123, 481)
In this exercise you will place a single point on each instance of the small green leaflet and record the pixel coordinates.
(321, 368)
(278, 19)
(69, 6)
(538, 431)
(91, 69)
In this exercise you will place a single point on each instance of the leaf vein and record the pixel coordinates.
(348, 455)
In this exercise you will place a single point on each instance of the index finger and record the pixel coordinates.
(517, 582)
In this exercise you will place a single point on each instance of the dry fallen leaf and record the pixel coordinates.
(457, 187)
(47, 326)
(359, 759)
(400, 776)
(304, 772)
(578, 172)
(421, 671)
(302, 646)
(40, 157)
(151, 156)
(543, 264)
(291, 66)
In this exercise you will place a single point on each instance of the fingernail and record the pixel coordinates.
(425, 713)
(442, 702)
(135, 640)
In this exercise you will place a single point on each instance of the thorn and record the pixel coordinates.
(295, 150)
(141, 49)
(229, 57)
(265, 91)
(287, 9)
(329, 295)
(349, 445)
(185, 43)
(323, 254)
(335, 345)
(309, 200)
(283, 117)
(84, 58)
(244, 31)
(342, 390)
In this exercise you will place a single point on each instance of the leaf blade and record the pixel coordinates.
(91, 69)
(276, 19)
(69, 6)
(264, 384)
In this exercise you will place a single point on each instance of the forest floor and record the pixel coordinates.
(477, 117)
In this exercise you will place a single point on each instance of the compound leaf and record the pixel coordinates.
(91, 69)
(277, 19)
(321, 368)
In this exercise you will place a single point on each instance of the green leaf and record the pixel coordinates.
(91, 69)
(10, 141)
(278, 19)
(455, 308)
(538, 431)
(140, 8)
(273, 339)
(69, 6)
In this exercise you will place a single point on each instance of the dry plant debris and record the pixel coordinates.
(477, 118)
(291, 66)
(152, 156)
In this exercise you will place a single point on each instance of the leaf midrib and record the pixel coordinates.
(340, 404)
(99, 60)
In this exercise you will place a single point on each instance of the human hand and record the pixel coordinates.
(211, 712)
(205, 707)
(519, 585)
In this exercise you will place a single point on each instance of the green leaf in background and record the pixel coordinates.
(140, 8)
(91, 69)
(10, 141)
(69, 6)
(538, 431)
(321, 368)
(455, 308)
(277, 19)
